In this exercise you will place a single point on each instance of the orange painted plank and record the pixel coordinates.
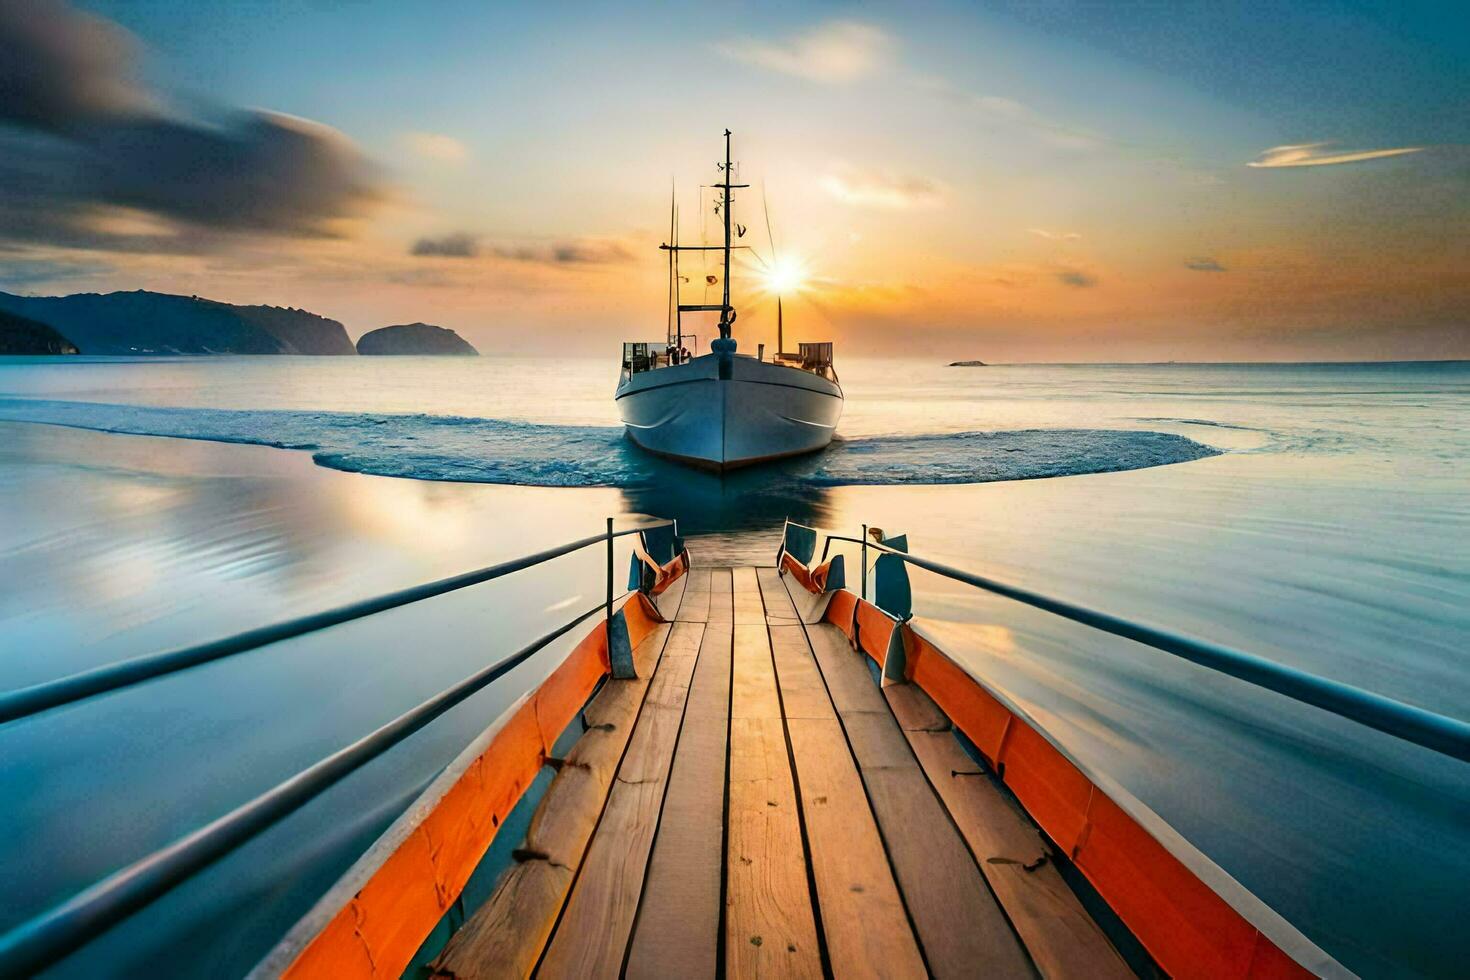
(507, 935)
(1061, 937)
(983, 719)
(391, 915)
(1189, 929)
(840, 611)
(873, 629)
(798, 571)
(962, 928)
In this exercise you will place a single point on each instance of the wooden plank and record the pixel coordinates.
(877, 741)
(721, 610)
(753, 683)
(852, 690)
(506, 935)
(770, 927)
(694, 606)
(678, 925)
(1061, 937)
(593, 932)
(381, 919)
(780, 611)
(803, 695)
(864, 925)
(747, 594)
(863, 920)
(957, 919)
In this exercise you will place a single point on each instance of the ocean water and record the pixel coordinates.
(1315, 514)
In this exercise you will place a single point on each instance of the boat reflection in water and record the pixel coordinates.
(736, 503)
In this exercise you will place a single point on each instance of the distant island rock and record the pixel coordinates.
(968, 364)
(415, 338)
(142, 322)
(21, 335)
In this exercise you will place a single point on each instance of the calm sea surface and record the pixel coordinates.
(1332, 533)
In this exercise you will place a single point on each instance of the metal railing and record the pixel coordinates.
(640, 356)
(50, 936)
(51, 694)
(1439, 733)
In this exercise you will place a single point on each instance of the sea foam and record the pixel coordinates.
(477, 450)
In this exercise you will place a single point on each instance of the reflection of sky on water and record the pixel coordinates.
(1334, 537)
(125, 545)
(1335, 564)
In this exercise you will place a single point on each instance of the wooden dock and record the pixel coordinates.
(754, 804)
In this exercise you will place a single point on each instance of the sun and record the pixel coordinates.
(785, 276)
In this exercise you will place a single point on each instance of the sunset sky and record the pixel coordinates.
(1031, 181)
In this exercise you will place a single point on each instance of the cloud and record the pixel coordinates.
(1075, 277)
(1204, 264)
(1315, 155)
(456, 245)
(872, 188)
(587, 251)
(63, 68)
(258, 171)
(85, 141)
(437, 146)
(1055, 236)
(836, 52)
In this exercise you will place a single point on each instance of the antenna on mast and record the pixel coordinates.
(775, 262)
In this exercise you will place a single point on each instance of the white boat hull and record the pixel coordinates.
(757, 412)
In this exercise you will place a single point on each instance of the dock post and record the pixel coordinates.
(857, 639)
(609, 570)
(619, 646)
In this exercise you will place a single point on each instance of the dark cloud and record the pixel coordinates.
(456, 245)
(82, 139)
(1204, 264)
(62, 68)
(1072, 277)
(585, 252)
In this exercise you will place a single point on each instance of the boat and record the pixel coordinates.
(748, 771)
(725, 409)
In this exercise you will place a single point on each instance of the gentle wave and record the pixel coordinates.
(476, 450)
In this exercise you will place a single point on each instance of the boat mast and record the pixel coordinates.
(727, 313)
(729, 206)
(675, 329)
(674, 256)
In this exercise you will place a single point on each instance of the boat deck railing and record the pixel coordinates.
(53, 934)
(1439, 733)
(640, 356)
